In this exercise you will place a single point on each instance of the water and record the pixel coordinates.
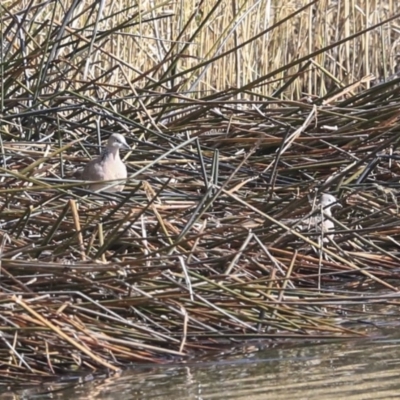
(350, 370)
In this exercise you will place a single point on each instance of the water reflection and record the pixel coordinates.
(355, 370)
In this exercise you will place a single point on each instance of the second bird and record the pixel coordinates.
(108, 166)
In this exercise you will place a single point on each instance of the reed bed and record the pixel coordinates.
(202, 250)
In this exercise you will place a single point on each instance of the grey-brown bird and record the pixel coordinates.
(106, 167)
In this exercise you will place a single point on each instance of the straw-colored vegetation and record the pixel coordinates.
(240, 114)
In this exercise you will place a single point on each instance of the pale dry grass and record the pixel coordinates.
(184, 35)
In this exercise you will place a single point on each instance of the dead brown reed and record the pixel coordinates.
(200, 252)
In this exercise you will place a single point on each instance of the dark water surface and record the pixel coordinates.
(341, 370)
